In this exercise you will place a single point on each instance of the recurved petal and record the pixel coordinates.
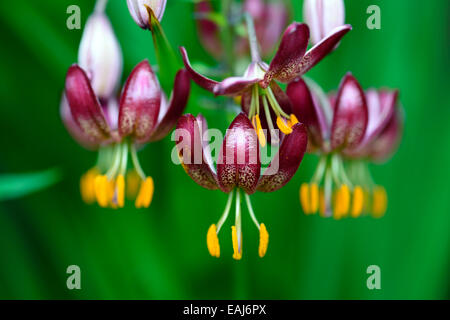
(286, 64)
(177, 104)
(350, 115)
(139, 103)
(239, 163)
(320, 50)
(287, 160)
(307, 110)
(189, 142)
(84, 105)
(202, 81)
(388, 140)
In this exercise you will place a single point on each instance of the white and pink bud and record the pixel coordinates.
(322, 16)
(138, 10)
(100, 55)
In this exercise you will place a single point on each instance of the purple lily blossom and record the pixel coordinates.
(238, 168)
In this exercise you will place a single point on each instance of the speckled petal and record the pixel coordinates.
(139, 103)
(191, 152)
(287, 160)
(177, 104)
(350, 115)
(239, 163)
(84, 105)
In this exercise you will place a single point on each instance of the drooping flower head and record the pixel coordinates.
(339, 126)
(118, 128)
(238, 169)
(262, 99)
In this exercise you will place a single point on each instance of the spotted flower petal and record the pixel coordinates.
(84, 105)
(195, 161)
(286, 162)
(350, 115)
(139, 103)
(307, 110)
(177, 104)
(239, 163)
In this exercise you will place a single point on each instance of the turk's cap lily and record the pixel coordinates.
(100, 55)
(140, 14)
(143, 113)
(337, 124)
(238, 163)
(322, 16)
(290, 61)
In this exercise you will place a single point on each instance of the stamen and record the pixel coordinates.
(259, 131)
(145, 194)
(345, 199)
(293, 120)
(132, 185)
(314, 194)
(282, 125)
(322, 206)
(237, 253)
(120, 190)
(358, 201)
(304, 197)
(87, 185)
(263, 240)
(337, 204)
(103, 190)
(212, 241)
(379, 202)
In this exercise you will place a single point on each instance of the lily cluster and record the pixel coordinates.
(238, 170)
(116, 127)
(346, 130)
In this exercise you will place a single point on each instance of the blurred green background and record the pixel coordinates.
(160, 253)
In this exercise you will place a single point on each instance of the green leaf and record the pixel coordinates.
(168, 62)
(18, 185)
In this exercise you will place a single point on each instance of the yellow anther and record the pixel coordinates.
(132, 185)
(379, 204)
(283, 126)
(237, 254)
(145, 195)
(263, 240)
(337, 205)
(259, 131)
(87, 186)
(322, 205)
(344, 199)
(358, 202)
(120, 190)
(293, 120)
(103, 190)
(314, 196)
(212, 241)
(237, 100)
(304, 197)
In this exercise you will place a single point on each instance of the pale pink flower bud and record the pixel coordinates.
(139, 11)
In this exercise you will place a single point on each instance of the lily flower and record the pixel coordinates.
(238, 169)
(116, 129)
(336, 125)
(261, 97)
(381, 139)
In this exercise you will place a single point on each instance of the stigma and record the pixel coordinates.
(110, 181)
(212, 236)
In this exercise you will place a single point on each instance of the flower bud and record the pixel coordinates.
(100, 55)
(322, 16)
(139, 11)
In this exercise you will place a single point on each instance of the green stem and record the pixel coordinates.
(224, 216)
(252, 40)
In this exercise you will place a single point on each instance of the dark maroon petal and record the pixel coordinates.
(199, 79)
(208, 31)
(320, 50)
(84, 105)
(72, 127)
(287, 160)
(388, 140)
(287, 61)
(350, 115)
(177, 104)
(189, 144)
(307, 110)
(234, 86)
(139, 103)
(239, 162)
